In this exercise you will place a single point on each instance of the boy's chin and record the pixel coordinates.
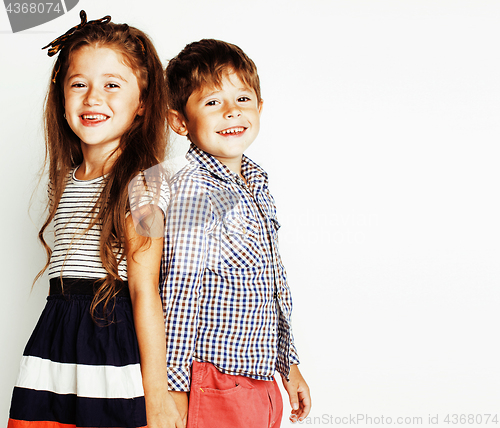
(230, 149)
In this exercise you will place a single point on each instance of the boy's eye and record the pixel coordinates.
(211, 103)
(243, 99)
(112, 85)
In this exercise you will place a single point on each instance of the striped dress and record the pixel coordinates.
(79, 371)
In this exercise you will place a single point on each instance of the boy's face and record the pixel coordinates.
(222, 121)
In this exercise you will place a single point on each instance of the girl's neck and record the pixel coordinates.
(95, 163)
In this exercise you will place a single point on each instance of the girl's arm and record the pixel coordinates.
(143, 266)
(181, 400)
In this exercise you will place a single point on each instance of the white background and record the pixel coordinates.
(380, 133)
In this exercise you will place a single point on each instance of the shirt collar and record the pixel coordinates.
(252, 172)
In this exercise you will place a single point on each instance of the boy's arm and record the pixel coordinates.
(298, 391)
(183, 267)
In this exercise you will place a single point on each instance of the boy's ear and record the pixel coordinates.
(261, 103)
(177, 122)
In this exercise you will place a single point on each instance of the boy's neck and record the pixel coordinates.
(233, 164)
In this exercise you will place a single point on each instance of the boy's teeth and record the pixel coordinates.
(232, 130)
(93, 117)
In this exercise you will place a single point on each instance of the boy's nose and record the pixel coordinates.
(232, 111)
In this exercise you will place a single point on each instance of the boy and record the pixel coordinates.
(226, 301)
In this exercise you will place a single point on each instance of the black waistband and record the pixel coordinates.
(83, 286)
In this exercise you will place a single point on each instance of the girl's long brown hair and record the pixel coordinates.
(142, 146)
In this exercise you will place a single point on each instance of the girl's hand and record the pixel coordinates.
(181, 400)
(161, 412)
(298, 391)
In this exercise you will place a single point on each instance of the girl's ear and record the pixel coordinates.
(140, 112)
(177, 122)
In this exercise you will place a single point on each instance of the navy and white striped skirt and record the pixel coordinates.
(76, 372)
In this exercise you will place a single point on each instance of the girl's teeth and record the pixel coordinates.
(93, 117)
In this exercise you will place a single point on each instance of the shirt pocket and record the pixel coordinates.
(239, 243)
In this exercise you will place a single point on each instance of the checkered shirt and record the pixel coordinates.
(224, 289)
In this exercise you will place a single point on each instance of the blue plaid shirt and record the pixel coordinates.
(224, 289)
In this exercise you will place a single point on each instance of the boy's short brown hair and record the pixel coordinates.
(204, 63)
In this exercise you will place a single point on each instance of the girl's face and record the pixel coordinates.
(102, 98)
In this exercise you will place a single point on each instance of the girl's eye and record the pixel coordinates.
(211, 103)
(77, 85)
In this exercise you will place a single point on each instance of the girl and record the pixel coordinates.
(105, 124)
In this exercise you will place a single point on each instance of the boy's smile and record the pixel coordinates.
(222, 121)
(232, 131)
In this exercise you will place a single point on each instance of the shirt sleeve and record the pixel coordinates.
(294, 356)
(287, 352)
(148, 192)
(189, 219)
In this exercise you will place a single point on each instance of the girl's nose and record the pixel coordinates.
(93, 97)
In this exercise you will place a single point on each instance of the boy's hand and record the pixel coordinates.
(298, 391)
(181, 401)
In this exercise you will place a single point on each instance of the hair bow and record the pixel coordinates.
(57, 44)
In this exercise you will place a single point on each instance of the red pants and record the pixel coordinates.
(219, 400)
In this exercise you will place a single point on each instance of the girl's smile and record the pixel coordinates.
(102, 98)
(92, 119)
